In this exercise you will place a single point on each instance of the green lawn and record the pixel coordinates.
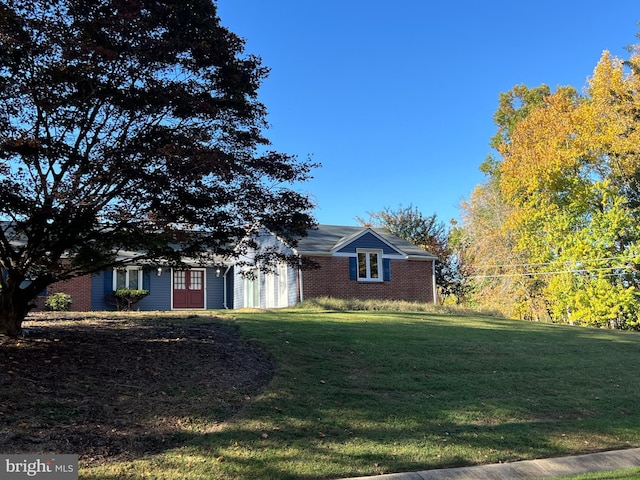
(630, 474)
(360, 393)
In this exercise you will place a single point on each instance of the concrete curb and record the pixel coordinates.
(527, 469)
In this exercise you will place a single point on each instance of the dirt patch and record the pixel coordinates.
(118, 388)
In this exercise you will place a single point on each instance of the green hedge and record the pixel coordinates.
(125, 299)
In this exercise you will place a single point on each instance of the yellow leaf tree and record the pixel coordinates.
(494, 265)
(570, 174)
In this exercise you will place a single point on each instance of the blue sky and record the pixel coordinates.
(395, 98)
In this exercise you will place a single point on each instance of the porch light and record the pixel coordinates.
(218, 271)
(159, 271)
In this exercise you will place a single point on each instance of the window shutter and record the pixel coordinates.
(146, 279)
(108, 281)
(386, 269)
(353, 268)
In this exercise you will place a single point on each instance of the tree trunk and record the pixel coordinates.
(14, 306)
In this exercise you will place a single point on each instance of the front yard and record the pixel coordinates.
(313, 394)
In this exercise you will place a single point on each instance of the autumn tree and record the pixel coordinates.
(491, 264)
(129, 125)
(570, 174)
(493, 268)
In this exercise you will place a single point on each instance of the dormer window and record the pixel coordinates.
(369, 265)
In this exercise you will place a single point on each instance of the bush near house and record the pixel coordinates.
(125, 299)
(58, 302)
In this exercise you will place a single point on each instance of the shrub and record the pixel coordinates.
(58, 302)
(355, 304)
(125, 299)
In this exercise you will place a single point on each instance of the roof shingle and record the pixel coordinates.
(324, 239)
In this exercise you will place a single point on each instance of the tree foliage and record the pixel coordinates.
(568, 186)
(492, 266)
(488, 254)
(129, 126)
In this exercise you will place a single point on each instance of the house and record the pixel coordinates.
(366, 263)
(352, 262)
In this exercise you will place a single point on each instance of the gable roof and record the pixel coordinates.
(326, 239)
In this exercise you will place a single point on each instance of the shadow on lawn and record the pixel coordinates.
(390, 392)
(400, 392)
(122, 388)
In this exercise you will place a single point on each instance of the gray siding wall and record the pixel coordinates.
(293, 286)
(238, 290)
(239, 300)
(265, 240)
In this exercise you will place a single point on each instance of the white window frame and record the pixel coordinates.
(369, 277)
(129, 271)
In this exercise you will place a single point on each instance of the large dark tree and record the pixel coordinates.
(129, 125)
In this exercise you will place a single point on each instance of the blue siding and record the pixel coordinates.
(368, 240)
(159, 297)
(99, 287)
(159, 287)
(108, 281)
(146, 279)
(215, 290)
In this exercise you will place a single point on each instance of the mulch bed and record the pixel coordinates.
(122, 387)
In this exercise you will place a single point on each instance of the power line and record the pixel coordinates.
(542, 264)
(558, 272)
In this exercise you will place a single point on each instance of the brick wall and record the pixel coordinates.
(411, 281)
(79, 288)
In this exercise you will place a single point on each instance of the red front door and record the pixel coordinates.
(188, 289)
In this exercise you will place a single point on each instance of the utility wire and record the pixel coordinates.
(558, 272)
(567, 262)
